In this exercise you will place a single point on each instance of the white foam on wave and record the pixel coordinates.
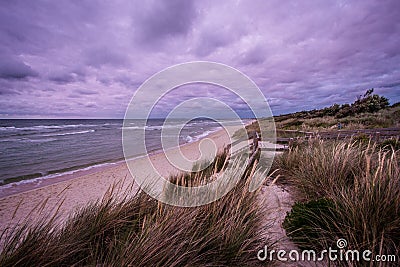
(152, 128)
(39, 127)
(110, 124)
(131, 128)
(3, 128)
(69, 133)
(197, 137)
(38, 180)
(26, 140)
(44, 140)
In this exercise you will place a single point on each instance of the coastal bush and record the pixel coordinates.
(345, 111)
(136, 230)
(362, 139)
(368, 111)
(385, 118)
(370, 102)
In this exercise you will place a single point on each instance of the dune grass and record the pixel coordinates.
(136, 230)
(388, 117)
(347, 190)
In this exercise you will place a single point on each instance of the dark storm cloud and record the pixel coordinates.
(7, 91)
(99, 56)
(85, 92)
(36, 26)
(161, 19)
(62, 78)
(302, 54)
(255, 55)
(127, 81)
(211, 39)
(65, 77)
(14, 68)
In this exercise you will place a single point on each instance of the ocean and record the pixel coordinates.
(32, 149)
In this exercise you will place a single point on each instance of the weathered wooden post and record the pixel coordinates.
(290, 142)
(255, 142)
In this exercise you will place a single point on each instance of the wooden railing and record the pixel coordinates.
(377, 134)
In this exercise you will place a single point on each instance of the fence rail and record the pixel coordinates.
(255, 144)
(377, 134)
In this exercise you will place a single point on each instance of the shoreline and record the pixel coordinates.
(25, 185)
(74, 191)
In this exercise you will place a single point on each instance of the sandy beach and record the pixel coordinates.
(73, 192)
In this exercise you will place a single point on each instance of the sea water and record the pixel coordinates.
(44, 148)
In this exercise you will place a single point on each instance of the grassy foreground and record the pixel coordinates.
(139, 231)
(347, 189)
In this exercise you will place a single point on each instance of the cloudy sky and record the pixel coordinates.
(87, 58)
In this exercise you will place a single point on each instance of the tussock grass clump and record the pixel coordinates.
(302, 226)
(136, 230)
(362, 185)
(203, 172)
(319, 169)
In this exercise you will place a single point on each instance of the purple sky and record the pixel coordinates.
(87, 58)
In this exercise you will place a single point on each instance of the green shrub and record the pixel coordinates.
(361, 139)
(345, 111)
(370, 102)
(307, 223)
(390, 144)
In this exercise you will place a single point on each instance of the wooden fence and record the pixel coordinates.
(378, 134)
